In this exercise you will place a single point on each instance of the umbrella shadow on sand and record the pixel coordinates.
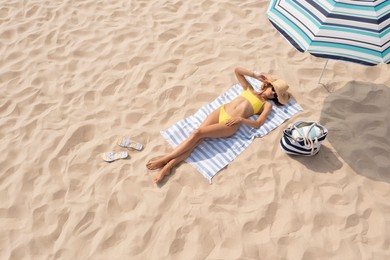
(358, 119)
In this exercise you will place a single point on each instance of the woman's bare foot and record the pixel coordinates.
(156, 164)
(166, 170)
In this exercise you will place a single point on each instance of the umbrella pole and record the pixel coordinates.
(322, 72)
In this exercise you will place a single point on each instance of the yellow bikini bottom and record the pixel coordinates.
(223, 116)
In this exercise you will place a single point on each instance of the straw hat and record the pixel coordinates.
(281, 88)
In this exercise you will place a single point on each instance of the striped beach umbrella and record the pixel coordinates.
(356, 31)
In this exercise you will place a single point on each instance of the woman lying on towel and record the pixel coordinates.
(226, 120)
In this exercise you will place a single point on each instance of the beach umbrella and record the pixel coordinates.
(356, 31)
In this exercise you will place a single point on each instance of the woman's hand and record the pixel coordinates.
(233, 121)
(260, 76)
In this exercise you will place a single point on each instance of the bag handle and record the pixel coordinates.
(307, 140)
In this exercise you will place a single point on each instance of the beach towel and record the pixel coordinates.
(213, 154)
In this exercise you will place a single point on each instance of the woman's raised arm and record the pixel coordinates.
(240, 73)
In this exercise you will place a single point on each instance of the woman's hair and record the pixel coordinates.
(276, 101)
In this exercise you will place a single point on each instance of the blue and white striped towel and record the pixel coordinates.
(213, 154)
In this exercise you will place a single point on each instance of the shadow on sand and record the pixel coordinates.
(324, 162)
(358, 119)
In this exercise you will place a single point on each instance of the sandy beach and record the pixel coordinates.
(75, 75)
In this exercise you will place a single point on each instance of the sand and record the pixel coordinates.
(76, 74)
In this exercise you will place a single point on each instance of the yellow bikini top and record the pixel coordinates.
(256, 103)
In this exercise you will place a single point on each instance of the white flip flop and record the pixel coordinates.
(113, 156)
(126, 142)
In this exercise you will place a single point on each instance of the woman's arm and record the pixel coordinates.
(240, 73)
(263, 116)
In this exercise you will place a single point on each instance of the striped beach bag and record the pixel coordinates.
(303, 138)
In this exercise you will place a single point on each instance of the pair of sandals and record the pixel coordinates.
(124, 142)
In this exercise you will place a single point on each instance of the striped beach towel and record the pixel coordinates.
(213, 154)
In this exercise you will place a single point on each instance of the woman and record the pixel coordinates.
(226, 120)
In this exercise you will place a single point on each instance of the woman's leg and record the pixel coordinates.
(166, 170)
(213, 131)
(212, 118)
(210, 131)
